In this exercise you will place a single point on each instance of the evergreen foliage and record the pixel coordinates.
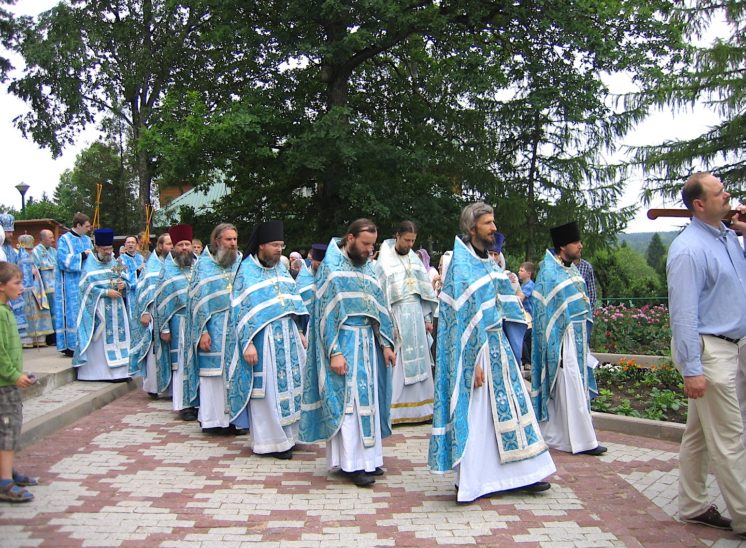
(716, 77)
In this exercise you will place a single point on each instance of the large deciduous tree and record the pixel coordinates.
(407, 109)
(88, 60)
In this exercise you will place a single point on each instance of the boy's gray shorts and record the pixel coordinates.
(11, 418)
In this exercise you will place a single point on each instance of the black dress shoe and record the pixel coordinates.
(377, 472)
(153, 395)
(537, 487)
(283, 455)
(188, 414)
(234, 431)
(67, 352)
(215, 431)
(596, 451)
(360, 478)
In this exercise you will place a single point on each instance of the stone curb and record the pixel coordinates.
(44, 425)
(661, 430)
(47, 382)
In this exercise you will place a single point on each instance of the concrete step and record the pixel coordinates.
(56, 400)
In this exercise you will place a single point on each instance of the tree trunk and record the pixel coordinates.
(531, 195)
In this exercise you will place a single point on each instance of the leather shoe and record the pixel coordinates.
(360, 478)
(283, 455)
(377, 472)
(711, 518)
(537, 487)
(596, 451)
(188, 414)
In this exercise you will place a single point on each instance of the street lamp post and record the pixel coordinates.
(22, 188)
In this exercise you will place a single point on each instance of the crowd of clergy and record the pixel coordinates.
(337, 348)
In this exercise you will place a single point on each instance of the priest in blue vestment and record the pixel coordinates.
(562, 380)
(45, 259)
(142, 355)
(72, 250)
(7, 221)
(347, 384)
(412, 302)
(135, 264)
(209, 312)
(268, 352)
(35, 302)
(306, 281)
(172, 320)
(103, 342)
(484, 427)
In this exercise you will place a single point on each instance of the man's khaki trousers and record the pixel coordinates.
(713, 434)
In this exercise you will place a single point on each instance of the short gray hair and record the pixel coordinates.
(471, 213)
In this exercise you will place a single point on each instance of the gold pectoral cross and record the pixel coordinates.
(229, 287)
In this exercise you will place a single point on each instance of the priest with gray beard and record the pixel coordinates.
(209, 308)
(102, 350)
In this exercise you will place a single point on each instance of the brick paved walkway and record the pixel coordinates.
(131, 475)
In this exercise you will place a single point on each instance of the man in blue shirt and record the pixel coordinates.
(706, 272)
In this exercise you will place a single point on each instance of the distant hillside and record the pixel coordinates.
(639, 240)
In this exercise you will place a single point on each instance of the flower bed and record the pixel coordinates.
(629, 330)
(654, 393)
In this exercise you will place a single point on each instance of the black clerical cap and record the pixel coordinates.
(268, 231)
(565, 234)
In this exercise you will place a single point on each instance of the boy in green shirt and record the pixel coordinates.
(11, 379)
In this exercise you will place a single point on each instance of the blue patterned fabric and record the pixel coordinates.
(265, 305)
(480, 320)
(70, 247)
(170, 304)
(132, 262)
(348, 309)
(142, 335)
(560, 302)
(36, 304)
(101, 315)
(17, 305)
(45, 261)
(306, 283)
(209, 311)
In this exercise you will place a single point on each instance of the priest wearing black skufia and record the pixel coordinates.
(269, 353)
(562, 366)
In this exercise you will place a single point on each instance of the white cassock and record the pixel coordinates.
(97, 367)
(268, 434)
(569, 427)
(480, 471)
(411, 398)
(213, 411)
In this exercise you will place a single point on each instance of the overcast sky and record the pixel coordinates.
(24, 161)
